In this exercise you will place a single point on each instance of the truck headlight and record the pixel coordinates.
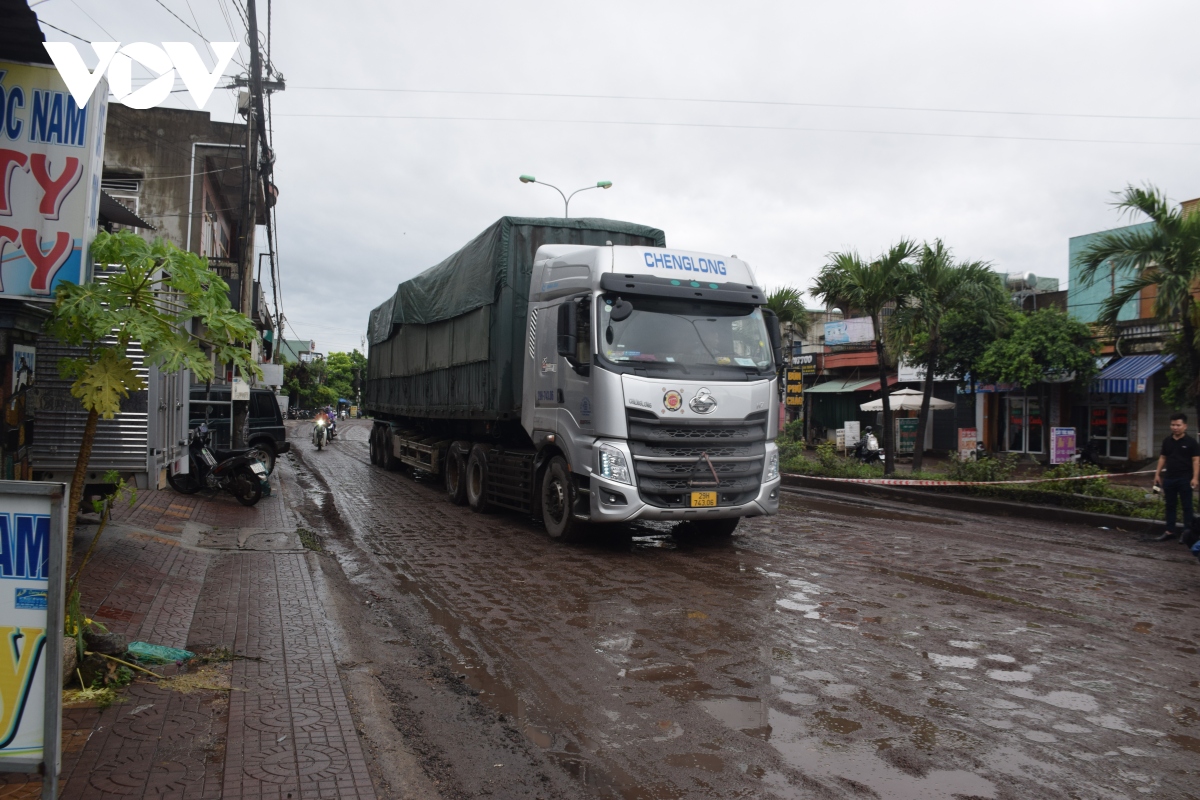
(613, 465)
(772, 467)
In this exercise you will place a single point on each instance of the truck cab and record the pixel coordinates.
(652, 373)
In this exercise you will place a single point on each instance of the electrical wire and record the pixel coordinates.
(60, 30)
(195, 30)
(93, 19)
(725, 126)
(784, 103)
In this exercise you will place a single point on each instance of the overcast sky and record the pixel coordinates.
(775, 174)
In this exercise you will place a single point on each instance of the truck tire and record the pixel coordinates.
(456, 476)
(558, 500)
(373, 445)
(716, 528)
(476, 480)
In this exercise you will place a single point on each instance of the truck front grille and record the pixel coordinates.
(671, 458)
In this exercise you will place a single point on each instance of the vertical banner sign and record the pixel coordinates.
(51, 157)
(1062, 451)
(906, 434)
(33, 530)
(968, 438)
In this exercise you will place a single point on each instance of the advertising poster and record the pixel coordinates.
(1062, 450)
(51, 157)
(906, 434)
(849, 331)
(32, 539)
(24, 362)
(853, 433)
(968, 438)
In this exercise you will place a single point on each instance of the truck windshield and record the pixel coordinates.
(665, 332)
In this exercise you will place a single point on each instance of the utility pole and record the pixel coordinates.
(254, 123)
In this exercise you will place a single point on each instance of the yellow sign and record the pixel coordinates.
(795, 376)
(794, 400)
(22, 650)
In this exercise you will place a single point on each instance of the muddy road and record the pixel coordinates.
(838, 650)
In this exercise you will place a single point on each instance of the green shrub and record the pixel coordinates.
(999, 467)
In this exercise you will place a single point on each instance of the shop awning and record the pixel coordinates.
(838, 385)
(1129, 374)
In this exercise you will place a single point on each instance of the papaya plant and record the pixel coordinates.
(150, 293)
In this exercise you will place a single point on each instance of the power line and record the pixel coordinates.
(744, 127)
(193, 30)
(93, 19)
(785, 103)
(60, 30)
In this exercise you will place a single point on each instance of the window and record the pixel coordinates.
(263, 405)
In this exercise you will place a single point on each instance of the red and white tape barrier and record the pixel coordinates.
(906, 482)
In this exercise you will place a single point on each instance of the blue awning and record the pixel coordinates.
(1129, 374)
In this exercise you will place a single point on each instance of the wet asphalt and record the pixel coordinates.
(842, 649)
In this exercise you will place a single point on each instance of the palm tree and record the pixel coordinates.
(789, 308)
(850, 283)
(937, 286)
(1165, 255)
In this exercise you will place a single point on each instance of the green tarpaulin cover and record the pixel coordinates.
(473, 276)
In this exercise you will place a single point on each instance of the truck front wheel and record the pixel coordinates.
(558, 501)
(456, 482)
(476, 480)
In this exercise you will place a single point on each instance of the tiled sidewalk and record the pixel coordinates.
(283, 730)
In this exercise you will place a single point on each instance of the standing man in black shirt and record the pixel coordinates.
(1180, 458)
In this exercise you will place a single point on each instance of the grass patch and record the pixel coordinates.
(311, 540)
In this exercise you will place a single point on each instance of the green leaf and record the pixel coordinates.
(105, 381)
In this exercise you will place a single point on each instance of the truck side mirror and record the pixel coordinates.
(621, 310)
(568, 340)
(775, 336)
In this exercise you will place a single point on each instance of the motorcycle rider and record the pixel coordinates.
(867, 449)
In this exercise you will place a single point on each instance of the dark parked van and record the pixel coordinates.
(266, 422)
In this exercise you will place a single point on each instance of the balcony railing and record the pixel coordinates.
(224, 267)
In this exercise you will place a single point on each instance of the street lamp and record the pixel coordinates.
(566, 198)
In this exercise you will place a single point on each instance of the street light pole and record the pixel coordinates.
(566, 198)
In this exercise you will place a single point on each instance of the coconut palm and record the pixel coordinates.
(793, 316)
(936, 286)
(1166, 256)
(852, 284)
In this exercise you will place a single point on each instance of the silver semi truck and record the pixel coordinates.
(581, 371)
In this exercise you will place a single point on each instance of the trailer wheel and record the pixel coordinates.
(558, 501)
(456, 480)
(373, 441)
(476, 480)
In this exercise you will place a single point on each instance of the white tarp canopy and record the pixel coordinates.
(907, 400)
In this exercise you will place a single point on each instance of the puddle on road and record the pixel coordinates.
(958, 588)
(864, 512)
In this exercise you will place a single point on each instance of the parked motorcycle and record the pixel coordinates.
(240, 472)
(1088, 454)
(868, 451)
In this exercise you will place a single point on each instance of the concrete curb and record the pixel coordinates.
(978, 505)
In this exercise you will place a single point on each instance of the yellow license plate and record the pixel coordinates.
(703, 499)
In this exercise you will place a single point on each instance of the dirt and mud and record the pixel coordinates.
(841, 649)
